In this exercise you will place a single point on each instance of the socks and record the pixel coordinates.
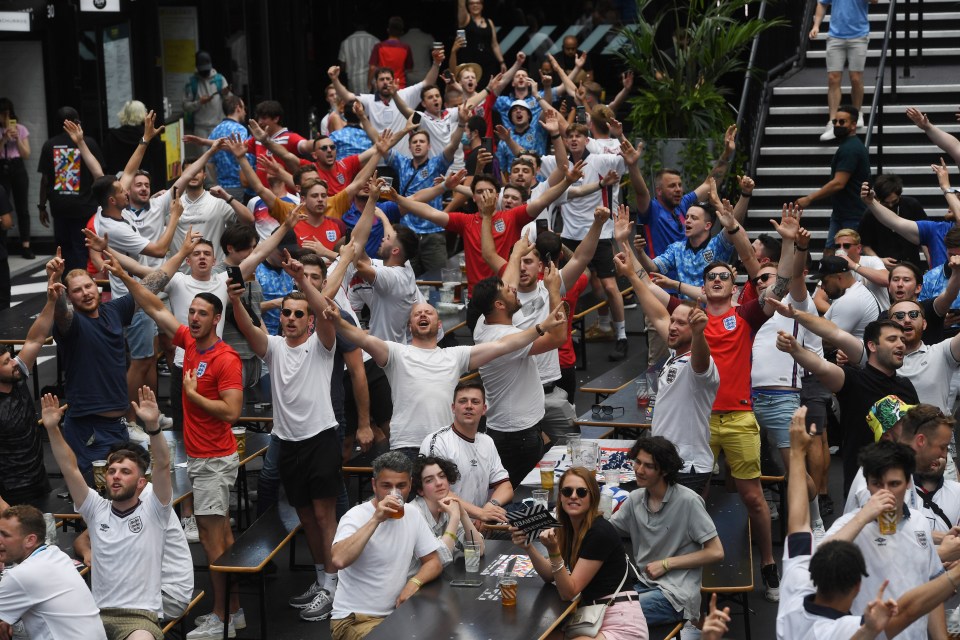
(320, 574)
(330, 582)
(621, 329)
(604, 320)
(815, 510)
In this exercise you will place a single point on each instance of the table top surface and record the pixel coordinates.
(613, 380)
(733, 574)
(440, 610)
(632, 416)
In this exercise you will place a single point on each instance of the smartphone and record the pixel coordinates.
(581, 114)
(417, 117)
(466, 583)
(12, 122)
(542, 226)
(447, 75)
(236, 276)
(487, 143)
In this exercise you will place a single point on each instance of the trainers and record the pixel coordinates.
(190, 529)
(619, 351)
(596, 334)
(27, 254)
(136, 433)
(630, 302)
(166, 422)
(238, 620)
(771, 582)
(827, 134)
(689, 632)
(826, 504)
(860, 123)
(774, 512)
(818, 532)
(307, 597)
(211, 627)
(319, 608)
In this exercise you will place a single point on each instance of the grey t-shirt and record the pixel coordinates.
(681, 526)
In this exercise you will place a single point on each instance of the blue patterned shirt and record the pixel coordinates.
(410, 180)
(934, 282)
(275, 284)
(228, 169)
(533, 139)
(350, 141)
(689, 262)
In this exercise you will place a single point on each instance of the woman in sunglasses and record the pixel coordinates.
(586, 557)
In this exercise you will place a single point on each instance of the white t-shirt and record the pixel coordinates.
(879, 292)
(478, 461)
(794, 620)
(947, 498)
(440, 129)
(372, 583)
(512, 383)
(118, 540)
(151, 223)
(208, 215)
(907, 559)
(387, 116)
(300, 383)
(854, 310)
(930, 369)
(535, 309)
(183, 288)
(395, 292)
(176, 567)
(772, 367)
(578, 212)
(122, 237)
(48, 594)
(682, 415)
(421, 385)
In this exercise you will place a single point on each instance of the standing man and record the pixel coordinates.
(203, 96)
(846, 44)
(127, 524)
(212, 400)
(372, 551)
(227, 167)
(849, 169)
(65, 183)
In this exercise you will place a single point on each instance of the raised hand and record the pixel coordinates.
(147, 408)
(293, 267)
(879, 611)
(296, 216)
(943, 174)
(786, 342)
(616, 128)
(236, 145)
(333, 72)
(218, 192)
(631, 155)
(626, 79)
(715, 624)
(697, 320)
(747, 185)
(550, 122)
(799, 438)
(557, 317)
(150, 130)
(551, 276)
(610, 179)
(789, 223)
(575, 174)
(867, 194)
(74, 130)
(454, 180)
(501, 132)
(487, 203)
(51, 411)
(93, 241)
(601, 214)
(256, 130)
(918, 118)
(730, 139)
(622, 264)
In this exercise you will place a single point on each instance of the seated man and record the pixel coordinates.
(43, 590)
(673, 536)
(372, 550)
(127, 526)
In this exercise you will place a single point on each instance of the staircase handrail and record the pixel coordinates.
(879, 88)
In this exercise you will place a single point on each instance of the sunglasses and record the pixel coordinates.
(840, 121)
(763, 278)
(567, 492)
(900, 315)
(607, 412)
(299, 313)
(846, 245)
(327, 147)
(723, 275)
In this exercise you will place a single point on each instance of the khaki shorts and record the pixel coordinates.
(120, 623)
(355, 626)
(738, 435)
(852, 51)
(212, 479)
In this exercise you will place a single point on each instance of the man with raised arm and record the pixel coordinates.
(212, 400)
(123, 525)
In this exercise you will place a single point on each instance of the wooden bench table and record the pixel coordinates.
(731, 578)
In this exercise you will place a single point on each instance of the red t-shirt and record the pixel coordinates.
(568, 356)
(340, 174)
(218, 369)
(506, 231)
(730, 337)
(748, 292)
(285, 138)
(395, 55)
(326, 233)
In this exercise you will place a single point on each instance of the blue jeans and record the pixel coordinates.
(90, 437)
(842, 221)
(656, 608)
(268, 486)
(774, 410)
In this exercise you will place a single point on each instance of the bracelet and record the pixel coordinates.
(230, 201)
(557, 568)
(665, 563)
(554, 555)
(144, 141)
(452, 535)
(798, 248)
(153, 433)
(554, 137)
(952, 581)
(734, 230)
(746, 195)
(416, 581)
(540, 330)
(856, 267)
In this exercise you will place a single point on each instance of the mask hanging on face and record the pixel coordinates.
(841, 132)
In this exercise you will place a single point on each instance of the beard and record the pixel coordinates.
(124, 493)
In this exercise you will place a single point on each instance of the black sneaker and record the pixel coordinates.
(826, 504)
(27, 254)
(771, 582)
(619, 351)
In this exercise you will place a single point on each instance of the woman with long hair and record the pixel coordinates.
(586, 558)
(481, 44)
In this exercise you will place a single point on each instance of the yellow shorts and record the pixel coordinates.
(738, 434)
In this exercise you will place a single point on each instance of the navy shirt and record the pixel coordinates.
(339, 375)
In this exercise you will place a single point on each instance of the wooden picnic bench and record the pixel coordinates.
(731, 578)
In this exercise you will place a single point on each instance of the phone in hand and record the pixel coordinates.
(487, 144)
(447, 75)
(417, 117)
(236, 276)
(581, 114)
(542, 226)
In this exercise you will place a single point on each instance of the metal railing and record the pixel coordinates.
(879, 87)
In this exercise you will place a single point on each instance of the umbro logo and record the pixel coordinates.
(880, 541)
(104, 526)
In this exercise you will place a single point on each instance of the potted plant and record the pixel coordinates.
(681, 108)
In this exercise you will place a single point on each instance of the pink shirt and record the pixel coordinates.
(9, 148)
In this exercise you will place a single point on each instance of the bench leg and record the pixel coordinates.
(746, 615)
(263, 606)
(226, 608)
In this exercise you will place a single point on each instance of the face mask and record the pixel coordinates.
(205, 74)
(464, 140)
(841, 132)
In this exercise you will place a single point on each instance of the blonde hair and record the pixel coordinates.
(133, 112)
(848, 233)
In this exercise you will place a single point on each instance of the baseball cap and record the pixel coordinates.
(204, 63)
(831, 265)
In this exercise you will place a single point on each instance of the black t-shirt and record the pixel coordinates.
(603, 543)
(934, 331)
(22, 474)
(851, 157)
(885, 242)
(861, 388)
(68, 179)
(340, 377)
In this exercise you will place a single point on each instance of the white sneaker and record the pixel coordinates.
(827, 134)
(238, 619)
(166, 422)
(818, 532)
(689, 632)
(190, 528)
(136, 434)
(307, 597)
(774, 512)
(860, 124)
(211, 628)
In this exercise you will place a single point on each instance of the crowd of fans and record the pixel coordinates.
(277, 264)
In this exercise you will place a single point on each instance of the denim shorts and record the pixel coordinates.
(140, 335)
(774, 412)
(656, 608)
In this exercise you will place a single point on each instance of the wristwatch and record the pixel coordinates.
(495, 502)
(951, 190)
(152, 433)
